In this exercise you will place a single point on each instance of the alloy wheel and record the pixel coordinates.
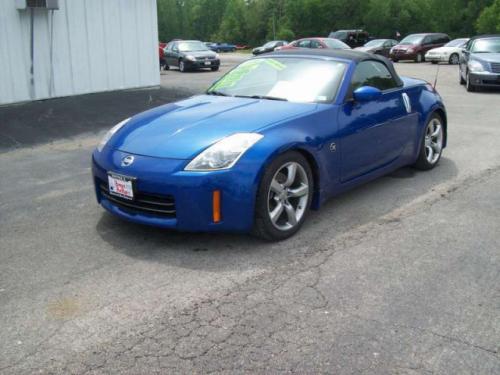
(433, 140)
(288, 196)
(454, 59)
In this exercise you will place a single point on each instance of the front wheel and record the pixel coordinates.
(468, 84)
(182, 66)
(284, 197)
(432, 143)
(214, 68)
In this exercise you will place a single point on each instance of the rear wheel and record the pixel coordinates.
(454, 59)
(434, 62)
(284, 197)
(431, 144)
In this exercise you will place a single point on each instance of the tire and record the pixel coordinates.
(395, 60)
(434, 62)
(461, 79)
(292, 196)
(431, 145)
(182, 66)
(469, 86)
(214, 68)
(454, 59)
(166, 66)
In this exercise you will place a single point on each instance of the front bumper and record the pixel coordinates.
(485, 79)
(403, 55)
(437, 58)
(192, 192)
(199, 64)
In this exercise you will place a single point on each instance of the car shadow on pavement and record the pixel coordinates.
(219, 251)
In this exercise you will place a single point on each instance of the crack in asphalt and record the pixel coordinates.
(243, 322)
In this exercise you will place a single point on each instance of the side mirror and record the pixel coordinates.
(464, 51)
(366, 94)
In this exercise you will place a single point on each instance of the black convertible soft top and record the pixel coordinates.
(345, 54)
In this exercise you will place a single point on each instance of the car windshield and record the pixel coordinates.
(192, 46)
(303, 80)
(490, 45)
(375, 43)
(335, 44)
(456, 43)
(412, 39)
(338, 35)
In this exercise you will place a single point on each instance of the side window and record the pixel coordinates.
(316, 44)
(427, 40)
(304, 44)
(372, 73)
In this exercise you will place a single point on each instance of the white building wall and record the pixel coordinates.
(98, 45)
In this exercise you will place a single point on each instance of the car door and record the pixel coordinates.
(374, 134)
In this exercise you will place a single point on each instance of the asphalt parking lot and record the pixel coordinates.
(400, 276)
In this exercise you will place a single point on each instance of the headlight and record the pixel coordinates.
(225, 153)
(476, 66)
(110, 133)
(190, 58)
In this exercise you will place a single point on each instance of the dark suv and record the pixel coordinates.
(480, 62)
(414, 46)
(353, 38)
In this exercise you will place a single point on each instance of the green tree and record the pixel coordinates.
(489, 19)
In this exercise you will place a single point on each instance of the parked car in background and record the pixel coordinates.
(189, 55)
(242, 46)
(449, 53)
(353, 38)
(378, 46)
(269, 47)
(415, 46)
(326, 43)
(222, 47)
(480, 62)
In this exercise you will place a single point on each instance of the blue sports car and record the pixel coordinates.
(271, 139)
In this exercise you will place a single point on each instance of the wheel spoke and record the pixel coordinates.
(430, 153)
(298, 192)
(292, 171)
(290, 212)
(436, 147)
(436, 131)
(276, 187)
(276, 213)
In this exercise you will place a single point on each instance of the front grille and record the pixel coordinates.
(205, 58)
(495, 67)
(152, 204)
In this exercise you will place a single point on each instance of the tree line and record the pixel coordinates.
(252, 22)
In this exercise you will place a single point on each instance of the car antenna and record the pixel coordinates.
(436, 79)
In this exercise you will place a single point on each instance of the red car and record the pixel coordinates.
(161, 54)
(327, 43)
(414, 46)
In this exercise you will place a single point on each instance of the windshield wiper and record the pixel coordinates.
(261, 97)
(217, 93)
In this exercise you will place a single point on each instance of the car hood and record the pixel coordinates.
(487, 57)
(181, 130)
